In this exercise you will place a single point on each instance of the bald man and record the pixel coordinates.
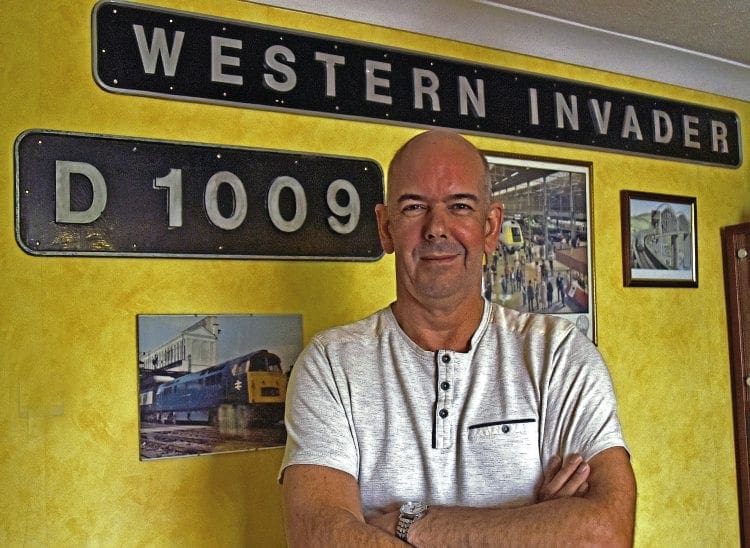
(443, 419)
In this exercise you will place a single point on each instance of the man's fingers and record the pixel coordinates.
(565, 479)
(552, 469)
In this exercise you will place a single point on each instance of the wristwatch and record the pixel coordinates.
(409, 513)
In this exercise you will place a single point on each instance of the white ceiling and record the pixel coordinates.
(703, 45)
(718, 28)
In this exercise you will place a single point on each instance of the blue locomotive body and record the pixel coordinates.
(252, 387)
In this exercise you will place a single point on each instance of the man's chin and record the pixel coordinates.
(437, 289)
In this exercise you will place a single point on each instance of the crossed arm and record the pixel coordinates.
(578, 504)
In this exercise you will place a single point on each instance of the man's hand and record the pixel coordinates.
(564, 479)
(385, 521)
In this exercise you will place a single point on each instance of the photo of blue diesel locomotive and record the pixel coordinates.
(243, 391)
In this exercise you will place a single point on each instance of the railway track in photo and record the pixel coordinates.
(161, 441)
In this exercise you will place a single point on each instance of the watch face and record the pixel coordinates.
(412, 508)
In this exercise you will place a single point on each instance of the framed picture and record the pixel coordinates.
(659, 240)
(213, 383)
(543, 260)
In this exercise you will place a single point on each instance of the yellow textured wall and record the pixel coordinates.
(70, 472)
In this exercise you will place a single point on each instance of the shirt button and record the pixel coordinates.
(443, 413)
(446, 358)
(505, 428)
(445, 385)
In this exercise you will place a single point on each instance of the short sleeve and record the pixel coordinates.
(581, 409)
(318, 417)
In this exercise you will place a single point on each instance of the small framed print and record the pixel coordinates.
(213, 383)
(659, 240)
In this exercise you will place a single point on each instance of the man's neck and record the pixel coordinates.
(440, 326)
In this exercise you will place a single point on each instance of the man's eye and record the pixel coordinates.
(412, 209)
(462, 207)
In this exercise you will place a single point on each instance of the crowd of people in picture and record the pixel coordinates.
(526, 281)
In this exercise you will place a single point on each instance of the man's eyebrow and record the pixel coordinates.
(464, 196)
(407, 197)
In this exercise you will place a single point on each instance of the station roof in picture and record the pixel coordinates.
(507, 177)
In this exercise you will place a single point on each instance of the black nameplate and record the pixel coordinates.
(101, 195)
(154, 51)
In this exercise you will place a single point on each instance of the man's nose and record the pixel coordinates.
(435, 225)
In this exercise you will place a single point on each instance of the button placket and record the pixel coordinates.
(444, 399)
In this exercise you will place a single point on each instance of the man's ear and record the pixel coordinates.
(492, 227)
(386, 241)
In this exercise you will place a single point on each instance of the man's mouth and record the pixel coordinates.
(438, 258)
(441, 253)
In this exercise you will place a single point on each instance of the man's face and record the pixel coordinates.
(438, 221)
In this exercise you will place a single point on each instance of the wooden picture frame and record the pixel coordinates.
(735, 242)
(659, 240)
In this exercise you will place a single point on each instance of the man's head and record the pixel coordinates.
(439, 218)
(430, 139)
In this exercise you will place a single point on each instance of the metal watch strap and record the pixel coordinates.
(403, 526)
(409, 513)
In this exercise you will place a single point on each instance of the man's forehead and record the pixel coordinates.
(437, 188)
(437, 165)
(412, 196)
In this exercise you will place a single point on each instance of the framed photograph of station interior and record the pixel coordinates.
(543, 262)
(659, 240)
(210, 383)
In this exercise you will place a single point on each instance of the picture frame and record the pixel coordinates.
(547, 203)
(213, 383)
(659, 240)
